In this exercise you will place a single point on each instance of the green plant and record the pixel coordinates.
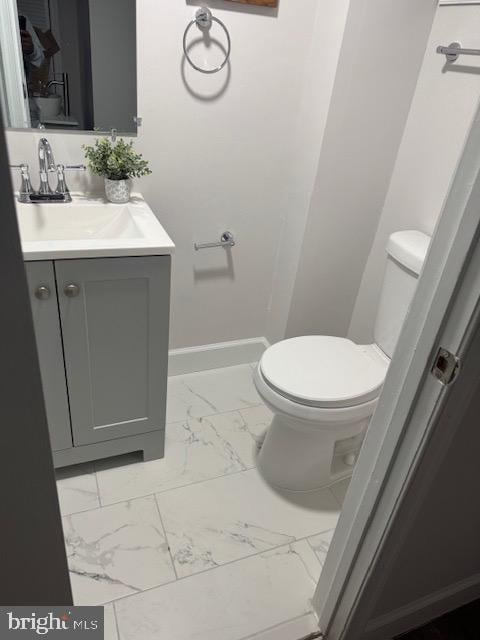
(115, 160)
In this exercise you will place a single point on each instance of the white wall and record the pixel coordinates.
(443, 107)
(381, 55)
(224, 163)
(243, 150)
(228, 162)
(320, 71)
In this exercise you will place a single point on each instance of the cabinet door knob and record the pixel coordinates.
(42, 292)
(71, 290)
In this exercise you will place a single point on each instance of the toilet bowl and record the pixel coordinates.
(315, 437)
(323, 390)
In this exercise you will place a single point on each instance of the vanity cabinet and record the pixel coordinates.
(102, 337)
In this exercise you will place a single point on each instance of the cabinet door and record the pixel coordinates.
(43, 299)
(115, 315)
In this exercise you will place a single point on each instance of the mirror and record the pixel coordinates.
(69, 64)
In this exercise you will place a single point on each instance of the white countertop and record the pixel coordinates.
(91, 228)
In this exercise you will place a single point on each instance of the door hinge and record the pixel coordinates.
(446, 366)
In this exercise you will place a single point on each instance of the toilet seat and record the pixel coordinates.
(324, 372)
(310, 418)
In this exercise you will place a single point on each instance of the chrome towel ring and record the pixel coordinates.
(204, 20)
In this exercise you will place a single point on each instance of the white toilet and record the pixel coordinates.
(323, 390)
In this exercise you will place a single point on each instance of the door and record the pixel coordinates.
(43, 300)
(34, 564)
(114, 315)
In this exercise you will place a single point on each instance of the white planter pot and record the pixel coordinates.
(117, 191)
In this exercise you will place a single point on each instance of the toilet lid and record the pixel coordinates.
(324, 371)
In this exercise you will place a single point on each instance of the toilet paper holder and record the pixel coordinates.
(226, 240)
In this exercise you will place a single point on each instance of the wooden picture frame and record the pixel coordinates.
(261, 3)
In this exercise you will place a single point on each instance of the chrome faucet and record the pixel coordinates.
(47, 165)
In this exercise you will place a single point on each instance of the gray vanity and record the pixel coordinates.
(99, 281)
(98, 273)
(102, 335)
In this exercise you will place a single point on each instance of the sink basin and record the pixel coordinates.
(76, 222)
(88, 228)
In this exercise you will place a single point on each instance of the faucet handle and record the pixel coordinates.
(26, 189)
(23, 166)
(62, 188)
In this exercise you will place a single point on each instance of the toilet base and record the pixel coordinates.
(296, 456)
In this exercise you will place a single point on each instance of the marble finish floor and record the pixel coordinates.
(196, 545)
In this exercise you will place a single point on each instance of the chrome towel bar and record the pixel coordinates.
(455, 49)
(226, 240)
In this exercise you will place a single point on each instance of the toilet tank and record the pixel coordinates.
(406, 251)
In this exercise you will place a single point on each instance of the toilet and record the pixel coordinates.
(323, 390)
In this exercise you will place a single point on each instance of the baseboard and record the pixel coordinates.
(419, 612)
(215, 356)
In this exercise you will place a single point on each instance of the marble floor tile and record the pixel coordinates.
(77, 489)
(320, 544)
(115, 551)
(297, 628)
(208, 392)
(257, 420)
(339, 490)
(110, 623)
(229, 603)
(215, 522)
(196, 450)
